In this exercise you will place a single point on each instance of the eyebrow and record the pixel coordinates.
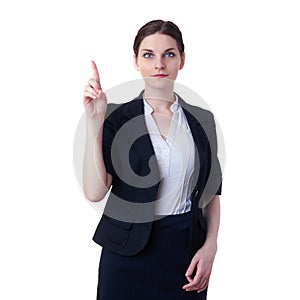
(151, 51)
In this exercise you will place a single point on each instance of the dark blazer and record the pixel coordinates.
(129, 157)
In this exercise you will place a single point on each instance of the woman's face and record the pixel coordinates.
(159, 57)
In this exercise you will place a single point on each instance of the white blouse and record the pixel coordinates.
(175, 157)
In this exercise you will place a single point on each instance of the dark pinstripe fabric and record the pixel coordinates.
(156, 273)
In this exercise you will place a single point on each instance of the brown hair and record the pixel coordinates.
(160, 26)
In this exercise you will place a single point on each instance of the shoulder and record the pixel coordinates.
(201, 114)
(116, 111)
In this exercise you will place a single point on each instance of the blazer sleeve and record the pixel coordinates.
(215, 174)
(107, 140)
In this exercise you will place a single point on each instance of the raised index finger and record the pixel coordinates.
(95, 72)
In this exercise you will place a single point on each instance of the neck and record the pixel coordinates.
(159, 98)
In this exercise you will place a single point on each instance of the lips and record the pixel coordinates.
(160, 75)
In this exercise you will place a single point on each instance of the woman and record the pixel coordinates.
(158, 154)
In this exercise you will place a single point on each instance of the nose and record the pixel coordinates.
(160, 64)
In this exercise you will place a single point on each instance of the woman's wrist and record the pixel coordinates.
(99, 119)
(212, 244)
(95, 124)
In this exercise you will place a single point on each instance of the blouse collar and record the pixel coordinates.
(148, 109)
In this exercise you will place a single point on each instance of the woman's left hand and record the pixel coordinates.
(201, 266)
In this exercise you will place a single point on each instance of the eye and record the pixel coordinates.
(170, 54)
(147, 55)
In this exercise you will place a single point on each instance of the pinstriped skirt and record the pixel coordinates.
(155, 273)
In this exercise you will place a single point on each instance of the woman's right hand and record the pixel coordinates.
(94, 99)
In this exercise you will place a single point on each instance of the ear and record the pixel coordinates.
(135, 62)
(182, 61)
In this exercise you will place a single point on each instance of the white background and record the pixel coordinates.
(242, 58)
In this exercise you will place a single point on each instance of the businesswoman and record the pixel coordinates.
(157, 155)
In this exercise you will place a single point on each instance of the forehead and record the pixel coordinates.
(158, 42)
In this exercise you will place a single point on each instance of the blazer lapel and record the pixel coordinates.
(139, 139)
(200, 141)
(197, 130)
(139, 135)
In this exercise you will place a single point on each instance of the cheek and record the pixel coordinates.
(175, 68)
(145, 68)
